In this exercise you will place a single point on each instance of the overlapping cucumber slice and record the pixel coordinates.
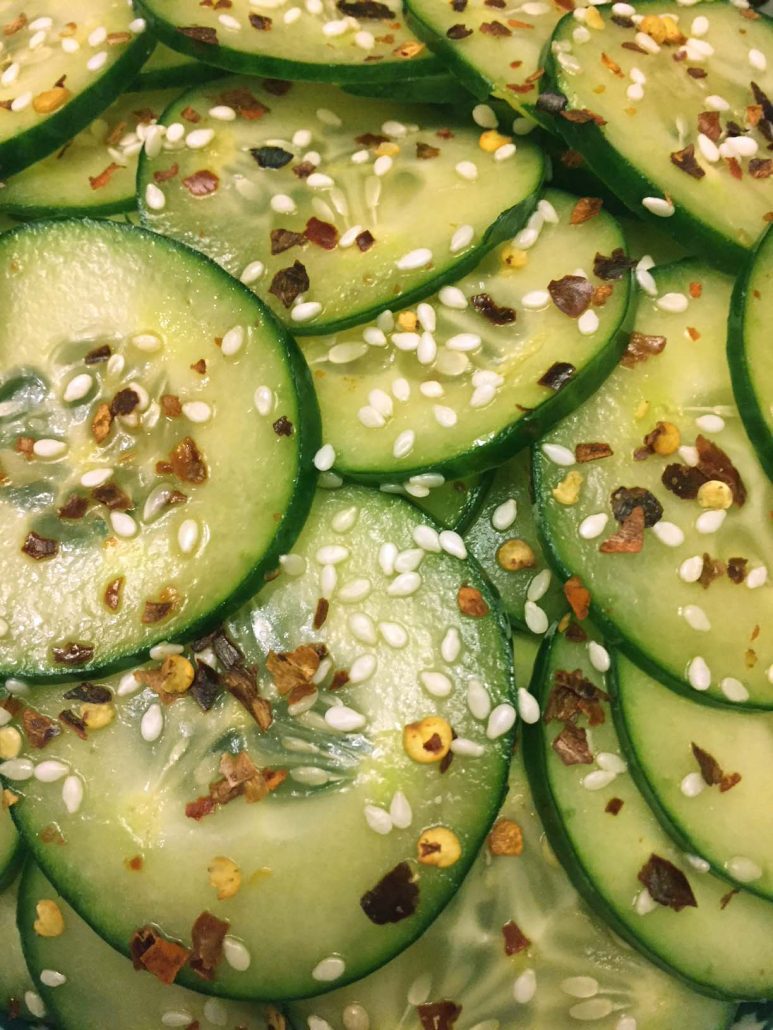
(342, 41)
(615, 851)
(95, 172)
(454, 504)
(704, 772)
(505, 540)
(670, 107)
(439, 88)
(570, 968)
(464, 379)
(84, 983)
(682, 584)
(375, 815)
(10, 846)
(748, 349)
(19, 997)
(129, 417)
(59, 66)
(330, 207)
(166, 69)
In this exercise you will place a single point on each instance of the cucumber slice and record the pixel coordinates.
(646, 240)
(505, 540)
(10, 849)
(724, 946)
(668, 115)
(166, 68)
(700, 640)
(454, 504)
(84, 982)
(428, 223)
(482, 368)
(59, 69)
(720, 822)
(312, 854)
(751, 311)
(88, 593)
(580, 970)
(343, 42)
(440, 88)
(94, 173)
(17, 991)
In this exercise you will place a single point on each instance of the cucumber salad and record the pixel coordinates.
(386, 484)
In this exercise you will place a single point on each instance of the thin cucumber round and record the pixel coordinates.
(615, 851)
(95, 172)
(331, 857)
(682, 583)
(11, 849)
(703, 771)
(108, 384)
(748, 349)
(332, 208)
(19, 997)
(665, 112)
(454, 504)
(468, 377)
(441, 88)
(169, 69)
(60, 68)
(348, 41)
(571, 968)
(646, 240)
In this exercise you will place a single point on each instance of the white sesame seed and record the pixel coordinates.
(526, 238)
(329, 481)
(528, 707)
(78, 387)
(710, 423)
(148, 343)
(478, 700)
(336, 27)
(580, 986)
(197, 139)
(394, 634)
(123, 524)
(505, 152)
(291, 15)
(293, 564)
(635, 92)
(689, 455)
(453, 544)
(175, 132)
(500, 721)
(594, 1009)
(599, 656)
(378, 819)
(757, 577)
(382, 165)
(154, 197)
(176, 1017)
(668, 533)
(17, 769)
(40, 23)
(264, 400)
(49, 448)
(10, 75)
(197, 411)
(733, 689)
(427, 538)
(373, 336)
(558, 454)
(698, 863)
(332, 554)
(236, 954)
(409, 560)
(461, 238)
(452, 297)
(404, 444)
(319, 181)
(538, 585)
(363, 628)
(414, 259)
(710, 521)
(484, 116)
(675, 303)
(188, 536)
(344, 353)
(699, 26)
(328, 969)
(708, 148)
(355, 590)
(364, 39)
(659, 206)
(344, 719)
(450, 645)
(464, 342)
(35, 1004)
(696, 618)
(152, 723)
(467, 748)
(282, 204)
(739, 146)
(52, 978)
(127, 685)
(743, 869)
(504, 515)
(535, 300)
(525, 987)
(699, 674)
(160, 651)
(404, 585)
(98, 36)
(370, 418)
(51, 770)
(436, 683)
(97, 62)
(758, 60)
(716, 103)
(387, 555)
(233, 341)
(644, 903)
(16, 686)
(406, 341)
(535, 618)
(306, 311)
(647, 43)
(325, 458)
(400, 811)
(593, 525)
(598, 779)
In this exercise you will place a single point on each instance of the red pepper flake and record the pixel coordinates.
(289, 669)
(285, 239)
(557, 376)
(74, 508)
(135, 863)
(471, 602)
(715, 464)
(629, 539)
(458, 32)
(712, 569)
(371, 140)
(571, 745)
(97, 182)
(438, 1015)
(90, 693)
(164, 175)
(98, 355)
(686, 161)
(735, 167)
(641, 347)
(624, 499)
(202, 183)
(340, 679)
(523, 88)
(515, 939)
(283, 426)
(171, 406)
(242, 683)
(289, 283)
(159, 956)
(320, 614)
(516, 23)
(73, 722)
(323, 234)
(696, 290)
(725, 900)
(761, 168)
(711, 770)
(201, 807)
(573, 695)
(261, 22)
(736, 569)
(584, 452)
(585, 209)
(16, 25)
(40, 548)
(578, 596)
(156, 611)
(628, 45)
(571, 295)
(613, 267)
(696, 73)
(394, 898)
(101, 423)
(39, 728)
(124, 402)
(207, 936)
(304, 169)
(277, 87)
(364, 240)
(113, 497)
(582, 116)
(190, 114)
(188, 462)
(612, 66)
(572, 159)
(244, 102)
(485, 305)
(710, 125)
(494, 28)
(72, 653)
(667, 884)
(613, 806)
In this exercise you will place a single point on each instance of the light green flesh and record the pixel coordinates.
(47, 63)
(422, 202)
(641, 597)
(512, 482)
(644, 133)
(120, 281)
(15, 980)
(61, 184)
(484, 60)
(102, 985)
(302, 46)
(520, 353)
(462, 959)
(728, 951)
(454, 503)
(136, 793)
(659, 728)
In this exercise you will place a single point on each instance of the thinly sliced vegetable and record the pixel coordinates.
(375, 744)
(440, 88)
(167, 69)
(128, 418)
(19, 998)
(332, 208)
(453, 504)
(11, 850)
(670, 533)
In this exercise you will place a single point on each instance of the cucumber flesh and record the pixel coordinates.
(64, 967)
(60, 68)
(453, 504)
(167, 69)
(477, 383)
(700, 640)
(751, 311)
(531, 594)
(95, 172)
(123, 284)
(427, 222)
(342, 42)
(17, 989)
(668, 116)
(724, 945)
(309, 853)
(582, 971)
(719, 822)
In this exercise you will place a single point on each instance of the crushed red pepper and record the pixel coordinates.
(667, 884)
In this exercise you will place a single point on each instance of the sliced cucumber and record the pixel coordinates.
(647, 240)
(723, 943)
(95, 172)
(166, 69)
(60, 67)
(345, 41)
(581, 972)
(718, 821)
(699, 639)
(748, 349)
(10, 848)
(84, 983)
(296, 166)
(312, 857)
(505, 540)
(467, 378)
(659, 121)
(155, 543)
(17, 992)
(441, 88)
(454, 504)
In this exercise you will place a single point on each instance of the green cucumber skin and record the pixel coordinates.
(309, 430)
(279, 68)
(740, 375)
(489, 454)
(18, 153)
(12, 869)
(171, 78)
(535, 760)
(435, 89)
(50, 211)
(475, 500)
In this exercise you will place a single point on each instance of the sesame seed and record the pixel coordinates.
(710, 423)
(535, 618)
(283, 205)
(97, 62)
(378, 819)
(51, 770)
(319, 181)
(593, 525)
(668, 533)
(427, 538)
(40, 23)
(504, 515)
(558, 454)
(431, 388)
(598, 779)
(306, 311)
(148, 343)
(21, 102)
(325, 458)
(647, 43)
(264, 400)
(611, 762)
(644, 903)
(329, 481)
(758, 60)
(699, 26)
(188, 536)
(500, 721)
(743, 869)
(595, 1008)
(154, 197)
(505, 152)
(710, 521)
(699, 674)
(400, 811)
(123, 524)
(370, 418)
(10, 75)
(348, 238)
(675, 303)
(689, 455)
(160, 651)
(535, 300)
(478, 700)
(659, 206)
(733, 689)
(197, 411)
(757, 577)
(49, 448)
(387, 555)
(176, 1017)
(291, 15)
(236, 954)
(716, 103)
(293, 564)
(37, 40)
(98, 36)
(450, 645)
(538, 586)
(355, 590)
(696, 618)
(35, 1004)
(404, 444)
(436, 683)
(528, 707)
(484, 116)
(52, 978)
(453, 544)
(525, 987)
(526, 238)
(452, 297)
(332, 554)
(363, 628)
(464, 342)
(17, 769)
(599, 656)
(344, 719)
(5, 717)
(364, 39)
(414, 259)
(394, 634)
(709, 150)
(329, 969)
(404, 585)
(152, 723)
(345, 353)
(375, 337)
(127, 685)
(467, 748)
(580, 986)
(635, 92)
(462, 238)
(698, 863)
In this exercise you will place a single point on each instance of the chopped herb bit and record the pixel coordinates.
(667, 884)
